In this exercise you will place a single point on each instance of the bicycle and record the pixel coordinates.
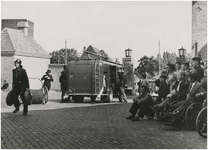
(201, 121)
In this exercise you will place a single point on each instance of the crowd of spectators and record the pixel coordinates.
(178, 86)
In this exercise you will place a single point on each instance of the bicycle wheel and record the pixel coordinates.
(201, 123)
(191, 113)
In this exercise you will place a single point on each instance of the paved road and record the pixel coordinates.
(97, 126)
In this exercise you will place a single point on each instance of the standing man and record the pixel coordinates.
(122, 83)
(197, 68)
(63, 81)
(47, 79)
(142, 105)
(19, 84)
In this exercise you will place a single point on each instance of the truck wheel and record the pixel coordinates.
(78, 99)
(93, 98)
(110, 94)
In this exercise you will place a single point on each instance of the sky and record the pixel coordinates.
(112, 26)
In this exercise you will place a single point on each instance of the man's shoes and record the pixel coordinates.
(16, 110)
(135, 119)
(130, 117)
(24, 113)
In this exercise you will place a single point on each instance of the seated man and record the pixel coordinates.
(179, 94)
(142, 104)
(196, 94)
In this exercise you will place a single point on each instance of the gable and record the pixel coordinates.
(16, 40)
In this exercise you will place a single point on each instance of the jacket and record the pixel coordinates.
(20, 79)
(183, 91)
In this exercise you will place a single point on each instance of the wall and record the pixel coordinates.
(56, 70)
(199, 26)
(7, 64)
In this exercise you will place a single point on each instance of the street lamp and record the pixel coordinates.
(128, 52)
(182, 52)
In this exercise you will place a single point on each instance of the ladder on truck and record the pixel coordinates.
(96, 78)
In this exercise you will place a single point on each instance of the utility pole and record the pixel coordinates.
(159, 59)
(66, 51)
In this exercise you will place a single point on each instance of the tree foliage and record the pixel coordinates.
(148, 65)
(60, 56)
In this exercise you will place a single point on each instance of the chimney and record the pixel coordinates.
(23, 25)
(84, 48)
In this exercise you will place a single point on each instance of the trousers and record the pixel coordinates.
(15, 95)
(141, 109)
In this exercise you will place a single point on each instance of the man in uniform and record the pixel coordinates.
(19, 84)
(63, 81)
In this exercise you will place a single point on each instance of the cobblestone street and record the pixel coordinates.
(97, 126)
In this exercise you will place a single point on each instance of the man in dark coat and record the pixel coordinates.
(48, 78)
(122, 82)
(142, 105)
(19, 84)
(163, 89)
(63, 81)
(197, 68)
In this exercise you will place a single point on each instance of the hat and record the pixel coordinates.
(18, 61)
(48, 71)
(196, 58)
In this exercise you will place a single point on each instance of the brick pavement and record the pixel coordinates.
(97, 127)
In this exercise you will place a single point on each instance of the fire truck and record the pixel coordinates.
(85, 79)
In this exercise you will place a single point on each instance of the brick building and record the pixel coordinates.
(17, 42)
(199, 29)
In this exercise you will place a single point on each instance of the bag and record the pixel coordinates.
(9, 100)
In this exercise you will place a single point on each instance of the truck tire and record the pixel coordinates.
(78, 99)
(93, 98)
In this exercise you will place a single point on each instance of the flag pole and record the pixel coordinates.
(65, 51)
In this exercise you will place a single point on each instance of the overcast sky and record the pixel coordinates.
(111, 26)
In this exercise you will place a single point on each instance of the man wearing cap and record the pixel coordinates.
(142, 105)
(19, 84)
(197, 68)
(47, 79)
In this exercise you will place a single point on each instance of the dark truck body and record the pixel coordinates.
(85, 79)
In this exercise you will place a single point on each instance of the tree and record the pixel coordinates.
(63, 55)
(148, 65)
